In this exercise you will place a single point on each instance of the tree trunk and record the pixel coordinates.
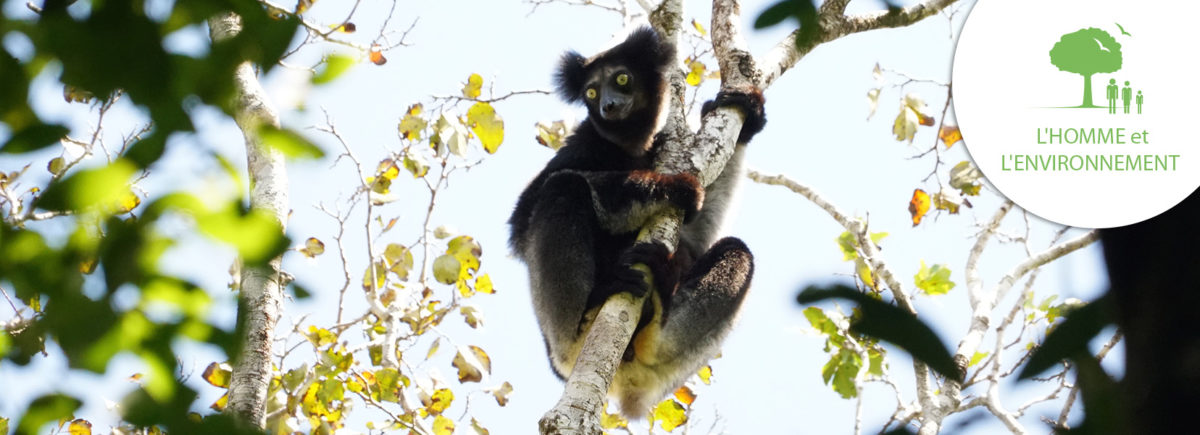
(262, 286)
(1087, 91)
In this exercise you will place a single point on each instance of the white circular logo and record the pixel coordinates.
(1082, 112)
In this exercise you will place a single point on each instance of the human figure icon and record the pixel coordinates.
(1127, 96)
(1139, 102)
(1112, 96)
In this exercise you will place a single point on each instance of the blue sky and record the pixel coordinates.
(768, 379)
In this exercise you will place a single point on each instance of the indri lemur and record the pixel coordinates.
(576, 223)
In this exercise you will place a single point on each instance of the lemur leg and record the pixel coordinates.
(561, 253)
(700, 313)
(698, 316)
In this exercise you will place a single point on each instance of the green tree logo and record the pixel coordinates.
(1086, 52)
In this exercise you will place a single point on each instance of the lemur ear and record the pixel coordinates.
(648, 48)
(571, 76)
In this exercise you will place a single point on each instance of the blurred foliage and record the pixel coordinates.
(106, 50)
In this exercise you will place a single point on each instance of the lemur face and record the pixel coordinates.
(611, 93)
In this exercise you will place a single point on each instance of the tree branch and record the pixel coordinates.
(262, 287)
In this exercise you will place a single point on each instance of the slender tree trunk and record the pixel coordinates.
(1087, 91)
(261, 289)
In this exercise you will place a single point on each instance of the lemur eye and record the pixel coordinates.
(622, 79)
(591, 94)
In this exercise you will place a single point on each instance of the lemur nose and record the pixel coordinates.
(609, 106)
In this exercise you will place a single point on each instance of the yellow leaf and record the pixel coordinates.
(221, 403)
(387, 169)
(399, 260)
(705, 374)
(483, 284)
(670, 414)
(433, 348)
(303, 5)
(950, 135)
(612, 421)
(473, 86)
(696, 73)
(919, 205)
(439, 401)
(443, 426)
(864, 272)
(412, 124)
(313, 247)
(80, 426)
(699, 27)
(487, 125)
(377, 271)
(218, 374)
(415, 164)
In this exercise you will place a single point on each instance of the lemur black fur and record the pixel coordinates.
(576, 223)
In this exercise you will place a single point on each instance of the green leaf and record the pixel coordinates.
(290, 143)
(776, 13)
(335, 66)
(933, 280)
(46, 409)
(446, 268)
(892, 324)
(1070, 339)
(34, 137)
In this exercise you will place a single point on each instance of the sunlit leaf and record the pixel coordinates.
(472, 316)
(919, 205)
(965, 177)
(863, 270)
(976, 358)
(473, 86)
(472, 364)
(320, 337)
(933, 280)
(483, 284)
(415, 164)
(705, 373)
(487, 125)
(699, 28)
(412, 123)
(449, 136)
(950, 135)
(375, 54)
(695, 74)
(433, 348)
(890, 323)
(443, 426)
(290, 143)
(501, 393)
(313, 247)
(685, 395)
(218, 374)
(552, 135)
(612, 421)
(439, 401)
(445, 269)
(79, 426)
(949, 200)
(670, 414)
(335, 66)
